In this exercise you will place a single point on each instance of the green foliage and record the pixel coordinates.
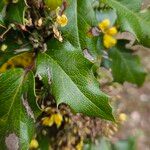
(59, 66)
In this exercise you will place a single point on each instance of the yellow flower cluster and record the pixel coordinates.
(62, 20)
(53, 119)
(109, 33)
(34, 144)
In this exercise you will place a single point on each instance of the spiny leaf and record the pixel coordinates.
(72, 80)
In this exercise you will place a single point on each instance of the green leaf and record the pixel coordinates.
(81, 18)
(131, 21)
(16, 116)
(126, 67)
(72, 80)
(16, 12)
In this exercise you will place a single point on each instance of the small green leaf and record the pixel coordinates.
(17, 117)
(72, 80)
(126, 67)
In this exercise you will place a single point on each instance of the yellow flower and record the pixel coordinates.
(55, 118)
(104, 25)
(112, 31)
(58, 119)
(48, 121)
(122, 117)
(62, 20)
(34, 144)
(109, 41)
